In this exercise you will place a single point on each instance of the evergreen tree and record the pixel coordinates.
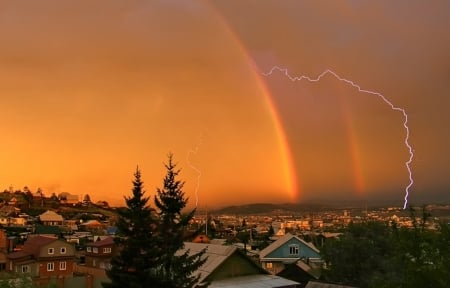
(137, 245)
(175, 270)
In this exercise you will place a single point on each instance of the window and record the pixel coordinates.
(89, 249)
(50, 266)
(62, 265)
(51, 250)
(293, 249)
(269, 265)
(25, 268)
(95, 250)
(107, 250)
(63, 250)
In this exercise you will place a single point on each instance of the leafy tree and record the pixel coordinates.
(28, 198)
(377, 255)
(86, 200)
(41, 194)
(139, 252)
(54, 197)
(244, 237)
(175, 270)
(358, 254)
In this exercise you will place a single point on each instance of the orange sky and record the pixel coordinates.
(90, 90)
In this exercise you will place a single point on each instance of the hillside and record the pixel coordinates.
(270, 208)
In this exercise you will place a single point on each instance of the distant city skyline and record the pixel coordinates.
(89, 91)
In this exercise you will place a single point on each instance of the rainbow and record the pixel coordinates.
(291, 180)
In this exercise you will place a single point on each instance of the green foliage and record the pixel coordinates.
(378, 255)
(16, 281)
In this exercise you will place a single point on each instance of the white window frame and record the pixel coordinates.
(63, 250)
(62, 265)
(88, 249)
(51, 251)
(25, 268)
(50, 266)
(107, 250)
(95, 250)
(294, 250)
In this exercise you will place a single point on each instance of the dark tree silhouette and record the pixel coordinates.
(176, 270)
(136, 242)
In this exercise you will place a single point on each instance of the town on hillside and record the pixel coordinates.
(68, 241)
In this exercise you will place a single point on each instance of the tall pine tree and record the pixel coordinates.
(176, 269)
(137, 243)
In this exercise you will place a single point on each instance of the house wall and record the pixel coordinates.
(52, 223)
(57, 245)
(43, 272)
(273, 267)
(18, 221)
(98, 262)
(83, 269)
(235, 265)
(16, 266)
(304, 250)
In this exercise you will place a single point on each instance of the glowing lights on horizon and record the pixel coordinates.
(354, 85)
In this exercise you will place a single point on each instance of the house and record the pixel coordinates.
(8, 210)
(4, 220)
(67, 198)
(91, 225)
(226, 266)
(13, 201)
(301, 272)
(43, 257)
(99, 254)
(287, 250)
(17, 221)
(202, 238)
(51, 218)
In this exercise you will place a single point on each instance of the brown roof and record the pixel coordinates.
(19, 254)
(105, 242)
(32, 247)
(34, 244)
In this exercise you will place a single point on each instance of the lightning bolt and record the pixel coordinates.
(354, 85)
(199, 173)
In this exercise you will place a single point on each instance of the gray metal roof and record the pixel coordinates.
(50, 216)
(216, 254)
(253, 281)
(313, 284)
